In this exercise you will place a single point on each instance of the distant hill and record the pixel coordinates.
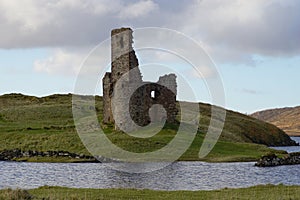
(288, 119)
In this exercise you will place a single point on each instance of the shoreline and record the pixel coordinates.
(140, 189)
(17, 155)
(273, 160)
(293, 135)
(38, 158)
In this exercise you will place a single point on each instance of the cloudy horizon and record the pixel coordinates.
(255, 44)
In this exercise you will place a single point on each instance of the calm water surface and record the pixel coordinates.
(291, 148)
(177, 176)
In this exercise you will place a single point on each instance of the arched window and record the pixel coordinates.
(153, 94)
(121, 42)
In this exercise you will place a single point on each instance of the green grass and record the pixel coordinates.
(18, 194)
(43, 124)
(263, 192)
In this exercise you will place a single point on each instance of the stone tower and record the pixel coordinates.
(123, 59)
(124, 69)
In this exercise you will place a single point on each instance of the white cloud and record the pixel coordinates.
(138, 9)
(237, 29)
(61, 62)
(29, 14)
(56, 23)
(232, 30)
(72, 61)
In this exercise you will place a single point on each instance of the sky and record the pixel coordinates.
(255, 45)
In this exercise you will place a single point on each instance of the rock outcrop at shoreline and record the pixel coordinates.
(15, 154)
(272, 160)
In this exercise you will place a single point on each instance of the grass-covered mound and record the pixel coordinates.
(46, 124)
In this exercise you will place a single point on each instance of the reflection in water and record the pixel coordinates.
(177, 176)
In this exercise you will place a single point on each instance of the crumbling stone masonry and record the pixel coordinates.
(124, 84)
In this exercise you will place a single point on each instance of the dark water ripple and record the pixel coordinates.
(178, 176)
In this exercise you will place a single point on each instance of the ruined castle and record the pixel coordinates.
(127, 99)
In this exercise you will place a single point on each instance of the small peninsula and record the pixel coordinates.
(46, 124)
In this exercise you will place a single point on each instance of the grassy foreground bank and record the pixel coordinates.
(264, 192)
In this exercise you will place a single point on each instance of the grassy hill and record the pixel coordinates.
(285, 118)
(44, 124)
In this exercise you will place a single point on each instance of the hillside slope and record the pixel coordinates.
(54, 113)
(288, 119)
(46, 124)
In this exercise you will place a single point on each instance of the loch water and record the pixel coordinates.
(291, 149)
(177, 176)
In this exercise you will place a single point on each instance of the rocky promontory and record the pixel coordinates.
(273, 160)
